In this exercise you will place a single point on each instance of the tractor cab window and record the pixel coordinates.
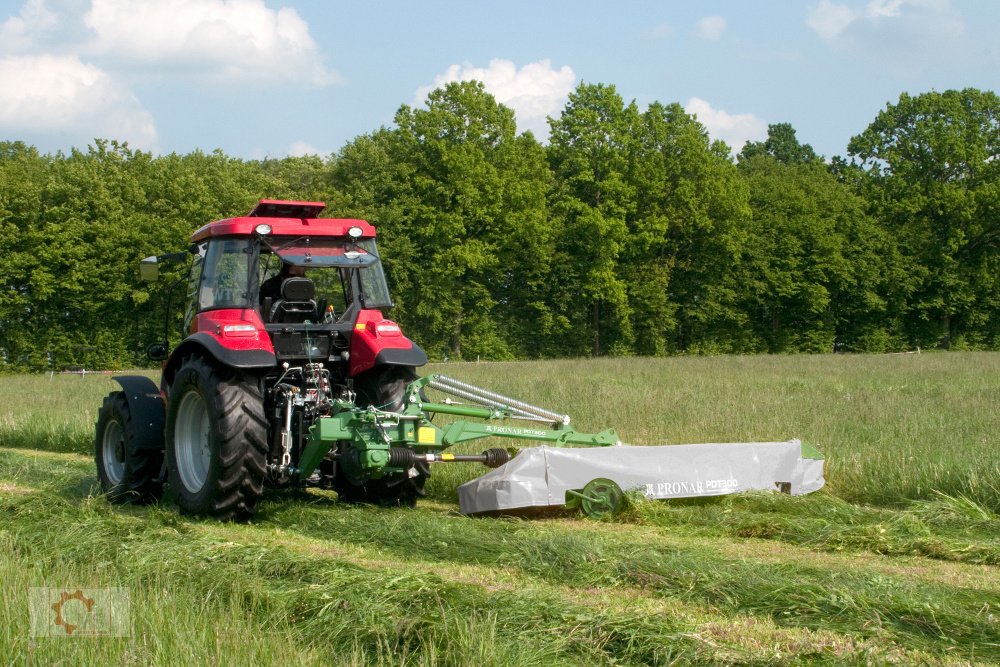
(225, 275)
(332, 287)
(330, 262)
(194, 279)
(374, 290)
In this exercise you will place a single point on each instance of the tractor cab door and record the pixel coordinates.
(194, 280)
(219, 278)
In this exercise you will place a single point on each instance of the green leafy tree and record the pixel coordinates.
(685, 236)
(816, 267)
(933, 176)
(589, 150)
(23, 173)
(460, 201)
(782, 145)
(78, 225)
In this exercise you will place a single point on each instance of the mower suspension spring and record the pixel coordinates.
(494, 400)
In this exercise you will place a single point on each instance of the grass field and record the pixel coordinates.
(896, 561)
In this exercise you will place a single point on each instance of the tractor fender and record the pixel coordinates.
(147, 409)
(377, 341)
(390, 356)
(208, 346)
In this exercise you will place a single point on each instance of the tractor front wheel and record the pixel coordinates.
(385, 388)
(216, 441)
(129, 472)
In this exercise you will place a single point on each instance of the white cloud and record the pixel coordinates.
(889, 8)
(67, 66)
(220, 40)
(302, 148)
(534, 92)
(734, 129)
(710, 28)
(901, 30)
(19, 33)
(62, 94)
(828, 19)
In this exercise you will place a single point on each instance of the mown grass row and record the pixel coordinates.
(322, 582)
(946, 528)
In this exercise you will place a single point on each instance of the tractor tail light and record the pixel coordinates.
(385, 329)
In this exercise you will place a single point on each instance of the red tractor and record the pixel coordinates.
(284, 320)
(289, 375)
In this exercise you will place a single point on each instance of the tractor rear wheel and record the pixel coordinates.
(216, 440)
(128, 472)
(385, 388)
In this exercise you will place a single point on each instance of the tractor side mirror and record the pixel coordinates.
(157, 351)
(149, 269)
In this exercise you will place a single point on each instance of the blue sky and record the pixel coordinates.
(269, 78)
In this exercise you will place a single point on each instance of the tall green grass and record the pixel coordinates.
(55, 413)
(893, 427)
(897, 561)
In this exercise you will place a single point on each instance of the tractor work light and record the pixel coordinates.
(263, 229)
(355, 232)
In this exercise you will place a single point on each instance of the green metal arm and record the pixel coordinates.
(372, 434)
(464, 431)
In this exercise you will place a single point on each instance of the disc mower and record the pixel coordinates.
(288, 374)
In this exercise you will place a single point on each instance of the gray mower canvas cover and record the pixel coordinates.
(539, 477)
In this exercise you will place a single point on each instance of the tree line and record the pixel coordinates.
(630, 232)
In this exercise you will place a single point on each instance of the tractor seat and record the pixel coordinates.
(297, 302)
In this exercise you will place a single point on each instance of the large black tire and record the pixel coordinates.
(128, 472)
(216, 441)
(385, 389)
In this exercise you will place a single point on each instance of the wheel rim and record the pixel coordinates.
(113, 452)
(191, 441)
(601, 497)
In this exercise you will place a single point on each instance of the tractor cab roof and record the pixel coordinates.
(286, 218)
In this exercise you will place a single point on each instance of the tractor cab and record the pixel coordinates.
(318, 279)
(297, 289)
